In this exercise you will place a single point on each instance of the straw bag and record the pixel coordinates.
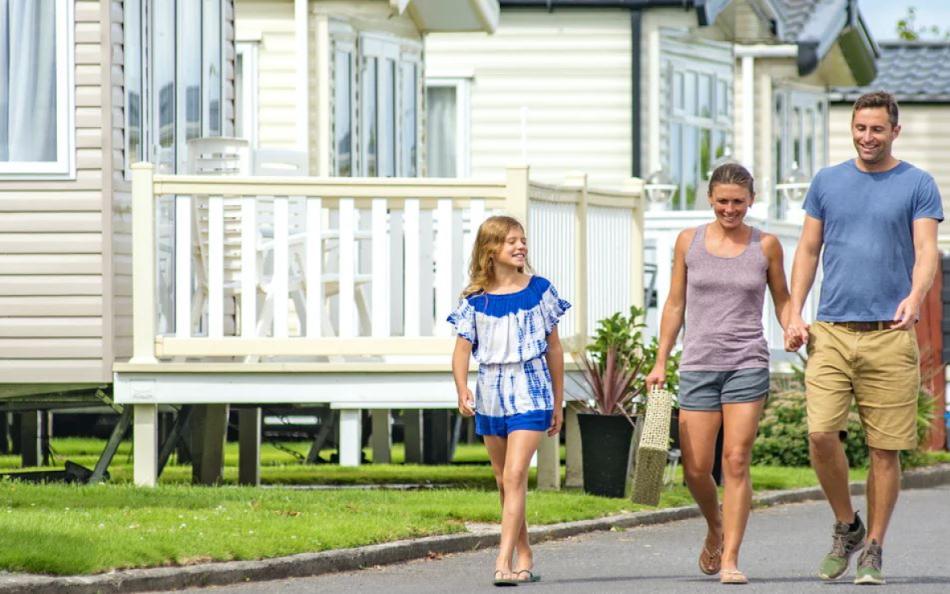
(652, 449)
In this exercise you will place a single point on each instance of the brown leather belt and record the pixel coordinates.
(866, 326)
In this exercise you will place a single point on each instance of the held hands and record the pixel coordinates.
(556, 420)
(796, 334)
(907, 313)
(466, 403)
(656, 378)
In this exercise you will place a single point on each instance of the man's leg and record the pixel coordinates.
(831, 466)
(882, 491)
(829, 391)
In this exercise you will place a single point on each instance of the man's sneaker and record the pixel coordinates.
(844, 543)
(869, 566)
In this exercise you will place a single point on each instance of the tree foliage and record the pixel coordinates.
(908, 29)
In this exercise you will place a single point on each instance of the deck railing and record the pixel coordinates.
(338, 267)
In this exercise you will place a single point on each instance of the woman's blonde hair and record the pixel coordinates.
(488, 241)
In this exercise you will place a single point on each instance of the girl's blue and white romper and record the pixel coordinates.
(509, 340)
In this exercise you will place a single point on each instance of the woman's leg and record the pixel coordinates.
(698, 432)
(740, 423)
(521, 447)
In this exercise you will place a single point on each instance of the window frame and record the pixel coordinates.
(680, 54)
(246, 100)
(361, 46)
(718, 122)
(151, 99)
(783, 141)
(64, 167)
(462, 86)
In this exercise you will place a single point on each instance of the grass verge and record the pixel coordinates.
(65, 530)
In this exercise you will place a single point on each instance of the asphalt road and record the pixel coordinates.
(781, 552)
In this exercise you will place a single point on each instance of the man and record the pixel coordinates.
(876, 217)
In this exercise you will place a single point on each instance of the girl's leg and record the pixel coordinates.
(698, 432)
(521, 447)
(740, 423)
(497, 450)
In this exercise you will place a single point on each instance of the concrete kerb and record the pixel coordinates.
(310, 564)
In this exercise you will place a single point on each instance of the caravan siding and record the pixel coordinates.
(51, 241)
(922, 142)
(270, 25)
(552, 89)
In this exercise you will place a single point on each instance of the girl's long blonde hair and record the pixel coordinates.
(488, 241)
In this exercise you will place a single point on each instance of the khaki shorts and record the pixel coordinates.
(880, 369)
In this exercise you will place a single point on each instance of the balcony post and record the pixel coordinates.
(635, 187)
(143, 264)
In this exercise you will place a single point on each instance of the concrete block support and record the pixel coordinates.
(351, 437)
(145, 444)
(31, 438)
(412, 435)
(549, 464)
(212, 436)
(573, 461)
(249, 446)
(382, 440)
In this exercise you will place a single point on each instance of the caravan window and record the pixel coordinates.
(36, 94)
(696, 108)
(385, 71)
(173, 78)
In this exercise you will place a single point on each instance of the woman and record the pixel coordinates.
(720, 271)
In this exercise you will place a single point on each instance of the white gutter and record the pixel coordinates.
(303, 71)
(748, 54)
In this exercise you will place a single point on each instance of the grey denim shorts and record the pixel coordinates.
(709, 390)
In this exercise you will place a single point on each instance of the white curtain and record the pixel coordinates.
(27, 80)
(441, 139)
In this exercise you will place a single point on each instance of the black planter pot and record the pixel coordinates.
(605, 448)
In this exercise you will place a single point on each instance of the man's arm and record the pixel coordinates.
(804, 268)
(926, 260)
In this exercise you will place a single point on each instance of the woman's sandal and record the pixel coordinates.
(500, 579)
(710, 561)
(531, 576)
(732, 576)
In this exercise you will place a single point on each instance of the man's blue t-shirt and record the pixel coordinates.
(868, 239)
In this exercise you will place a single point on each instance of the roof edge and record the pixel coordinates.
(708, 10)
(838, 22)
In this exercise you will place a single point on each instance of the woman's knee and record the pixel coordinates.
(697, 470)
(736, 461)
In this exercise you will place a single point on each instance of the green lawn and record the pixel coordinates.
(61, 529)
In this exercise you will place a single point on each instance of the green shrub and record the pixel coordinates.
(625, 334)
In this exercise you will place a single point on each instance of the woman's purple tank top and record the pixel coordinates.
(724, 299)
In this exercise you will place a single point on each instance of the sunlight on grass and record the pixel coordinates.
(62, 529)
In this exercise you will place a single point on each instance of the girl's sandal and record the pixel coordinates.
(526, 575)
(500, 578)
(732, 576)
(710, 561)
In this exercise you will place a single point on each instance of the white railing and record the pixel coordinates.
(336, 267)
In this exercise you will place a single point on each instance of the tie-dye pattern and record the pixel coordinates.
(509, 340)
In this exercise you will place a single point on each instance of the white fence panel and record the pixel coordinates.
(551, 235)
(608, 262)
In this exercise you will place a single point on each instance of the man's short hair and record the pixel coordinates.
(878, 99)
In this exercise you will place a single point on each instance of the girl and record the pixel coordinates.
(720, 271)
(508, 320)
